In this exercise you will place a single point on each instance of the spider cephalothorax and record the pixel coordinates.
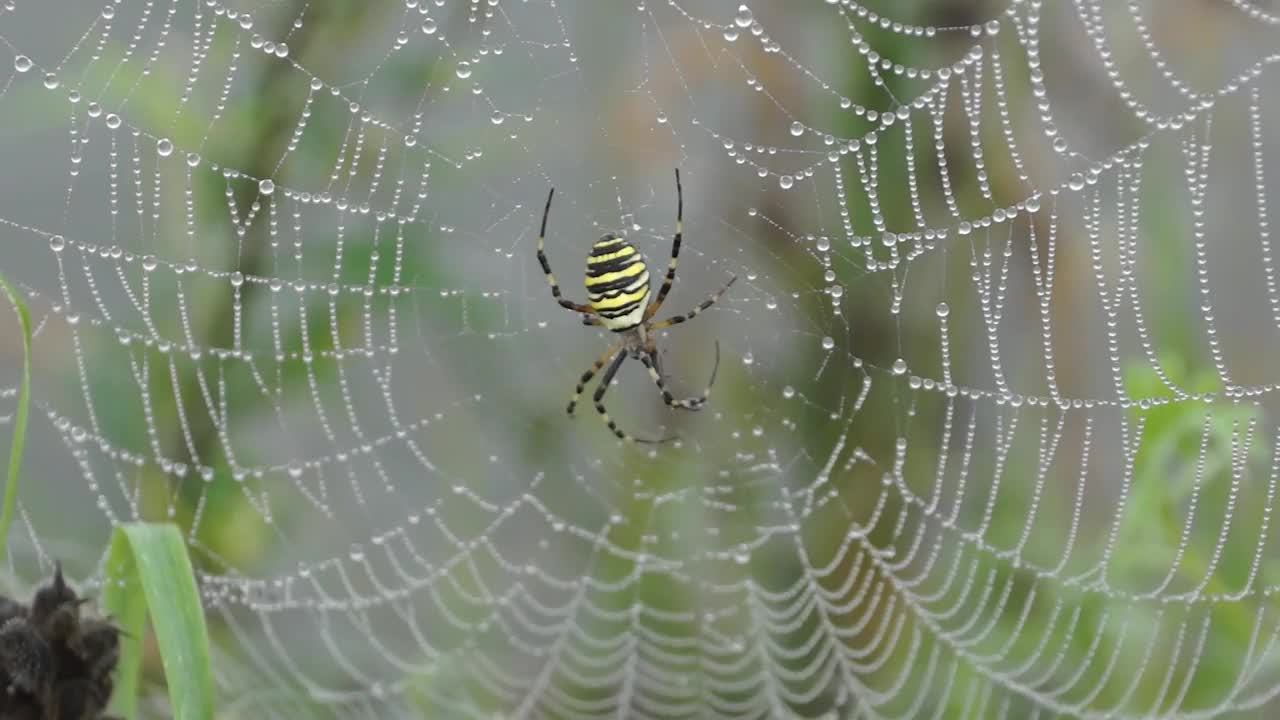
(618, 297)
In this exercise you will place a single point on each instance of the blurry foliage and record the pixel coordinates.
(250, 137)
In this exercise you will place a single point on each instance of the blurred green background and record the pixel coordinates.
(992, 434)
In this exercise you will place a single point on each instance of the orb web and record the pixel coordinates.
(992, 435)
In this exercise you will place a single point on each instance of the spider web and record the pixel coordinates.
(993, 432)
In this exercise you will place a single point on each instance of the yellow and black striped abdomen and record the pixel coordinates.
(617, 283)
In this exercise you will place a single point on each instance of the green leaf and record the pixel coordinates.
(148, 572)
(20, 418)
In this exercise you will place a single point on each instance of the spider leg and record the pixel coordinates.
(599, 400)
(676, 320)
(586, 376)
(546, 266)
(693, 403)
(675, 254)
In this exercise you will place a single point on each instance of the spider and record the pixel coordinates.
(618, 295)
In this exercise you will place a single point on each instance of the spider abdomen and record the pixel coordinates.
(617, 283)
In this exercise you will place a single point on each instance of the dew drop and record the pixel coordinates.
(786, 181)
(266, 187)
(828, 343)
(429, 26)
(797, 128)
(943, 309)
(50, 81)
(464, 70)
(22, 63)
(496, 118)
(788, 392)
(113, 121)
(57, 243)
(743, 18)
(1076, 182)
(164, 147)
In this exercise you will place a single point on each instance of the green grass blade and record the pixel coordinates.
(149, 573)
(20, 417)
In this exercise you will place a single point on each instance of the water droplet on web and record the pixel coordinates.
(1060, 144)
(149, 262)
(1033, 204)
(22, 63)
(1076, 181)
(193, 159)
(464, 70)
(662, 118)
(743, 18)
(164, 147)
(51, 81)
(266, 187)
(964, 228)
(496, 118)
(57, 243)
(797, 128)
(943, 310)
(899, 366)
(113, 121)
(237, 279)
(788, 392)
(429, 26)
(731, 34)
(828, 342)
(786, 182)
(748, 359)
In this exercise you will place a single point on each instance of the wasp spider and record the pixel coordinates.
(619, 299)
